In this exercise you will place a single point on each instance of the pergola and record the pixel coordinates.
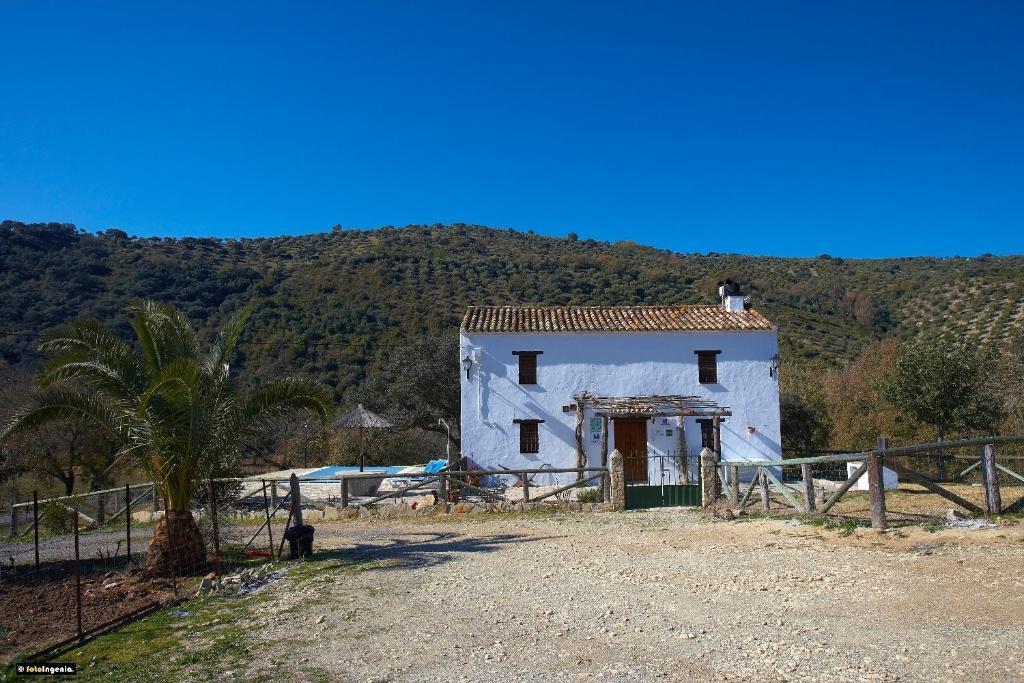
(672, 405)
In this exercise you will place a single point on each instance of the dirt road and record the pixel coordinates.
(658, 595)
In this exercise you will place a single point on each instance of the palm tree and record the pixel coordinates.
(170, 409)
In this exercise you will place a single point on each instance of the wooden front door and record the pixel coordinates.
(631, 441)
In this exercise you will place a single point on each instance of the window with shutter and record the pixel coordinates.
(707, 367)
(529, 436)
(527, 366)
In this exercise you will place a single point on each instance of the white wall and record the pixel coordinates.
(614, 364)
(890, 480)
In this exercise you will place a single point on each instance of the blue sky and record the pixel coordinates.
(789, 128)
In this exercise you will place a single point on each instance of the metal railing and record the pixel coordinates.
(661, 468)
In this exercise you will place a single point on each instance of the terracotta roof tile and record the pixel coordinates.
(609, 319)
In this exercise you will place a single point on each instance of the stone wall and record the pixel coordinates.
(708, 477)
(617, 481)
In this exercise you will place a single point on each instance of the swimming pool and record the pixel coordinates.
(334, 471)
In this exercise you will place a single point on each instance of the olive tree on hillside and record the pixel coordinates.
(858, 411)
(418, 385)
(945, 385)
(806, 423)
(806, 427)
(1011, 384)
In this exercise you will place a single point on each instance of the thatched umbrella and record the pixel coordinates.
(362, 419)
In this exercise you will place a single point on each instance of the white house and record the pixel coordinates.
(560, 387)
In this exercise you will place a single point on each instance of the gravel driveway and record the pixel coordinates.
(666, 595)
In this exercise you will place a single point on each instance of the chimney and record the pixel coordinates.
(731, 296)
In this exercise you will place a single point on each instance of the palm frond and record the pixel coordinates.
(179, 382)
(98, 375)
(216, 363)
(69, 404)
(88, 352)
(170, 410)
(164, 333)
(277, 398)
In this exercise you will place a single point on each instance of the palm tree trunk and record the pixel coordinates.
(177, 546)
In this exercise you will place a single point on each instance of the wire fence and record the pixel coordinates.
(75, 566)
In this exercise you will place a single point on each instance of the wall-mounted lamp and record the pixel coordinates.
(467, 364)
(775, 363)
(751, 430)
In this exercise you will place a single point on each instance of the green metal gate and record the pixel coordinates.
(669, 495)
(679, 485)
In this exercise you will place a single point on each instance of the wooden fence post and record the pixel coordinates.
(734, 484)
(605, 481)
(526, 486)
(344, 492)
(810, 503)
(270, 530)
(876, 484)
(993, 498)
(128, 519)
(78, 578)
(443, 484)
(35, 522)
(211, 494)
(101, 509)
(766, 500)
(604, 441)
(296, 501)
(14, 518)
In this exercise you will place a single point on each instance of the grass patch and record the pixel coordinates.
(330, 565)
(845, 526)
(197, 640)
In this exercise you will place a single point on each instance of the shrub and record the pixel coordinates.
(588, 495)
(58, 519)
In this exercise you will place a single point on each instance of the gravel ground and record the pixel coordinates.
(667, 595)
(92, 544)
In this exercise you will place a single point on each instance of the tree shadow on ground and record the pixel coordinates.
(416, 550)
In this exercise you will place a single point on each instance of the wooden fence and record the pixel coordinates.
(448, 482)
(802, 498)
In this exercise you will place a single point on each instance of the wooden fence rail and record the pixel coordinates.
(448, 480)
(872, 464)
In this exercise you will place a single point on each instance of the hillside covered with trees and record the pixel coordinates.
(333, 305)
(373, 315)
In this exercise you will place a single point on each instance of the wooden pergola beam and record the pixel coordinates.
(724, 412)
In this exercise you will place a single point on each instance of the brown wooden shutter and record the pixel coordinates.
(529, 436)
(527, 366)
(707, 367)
